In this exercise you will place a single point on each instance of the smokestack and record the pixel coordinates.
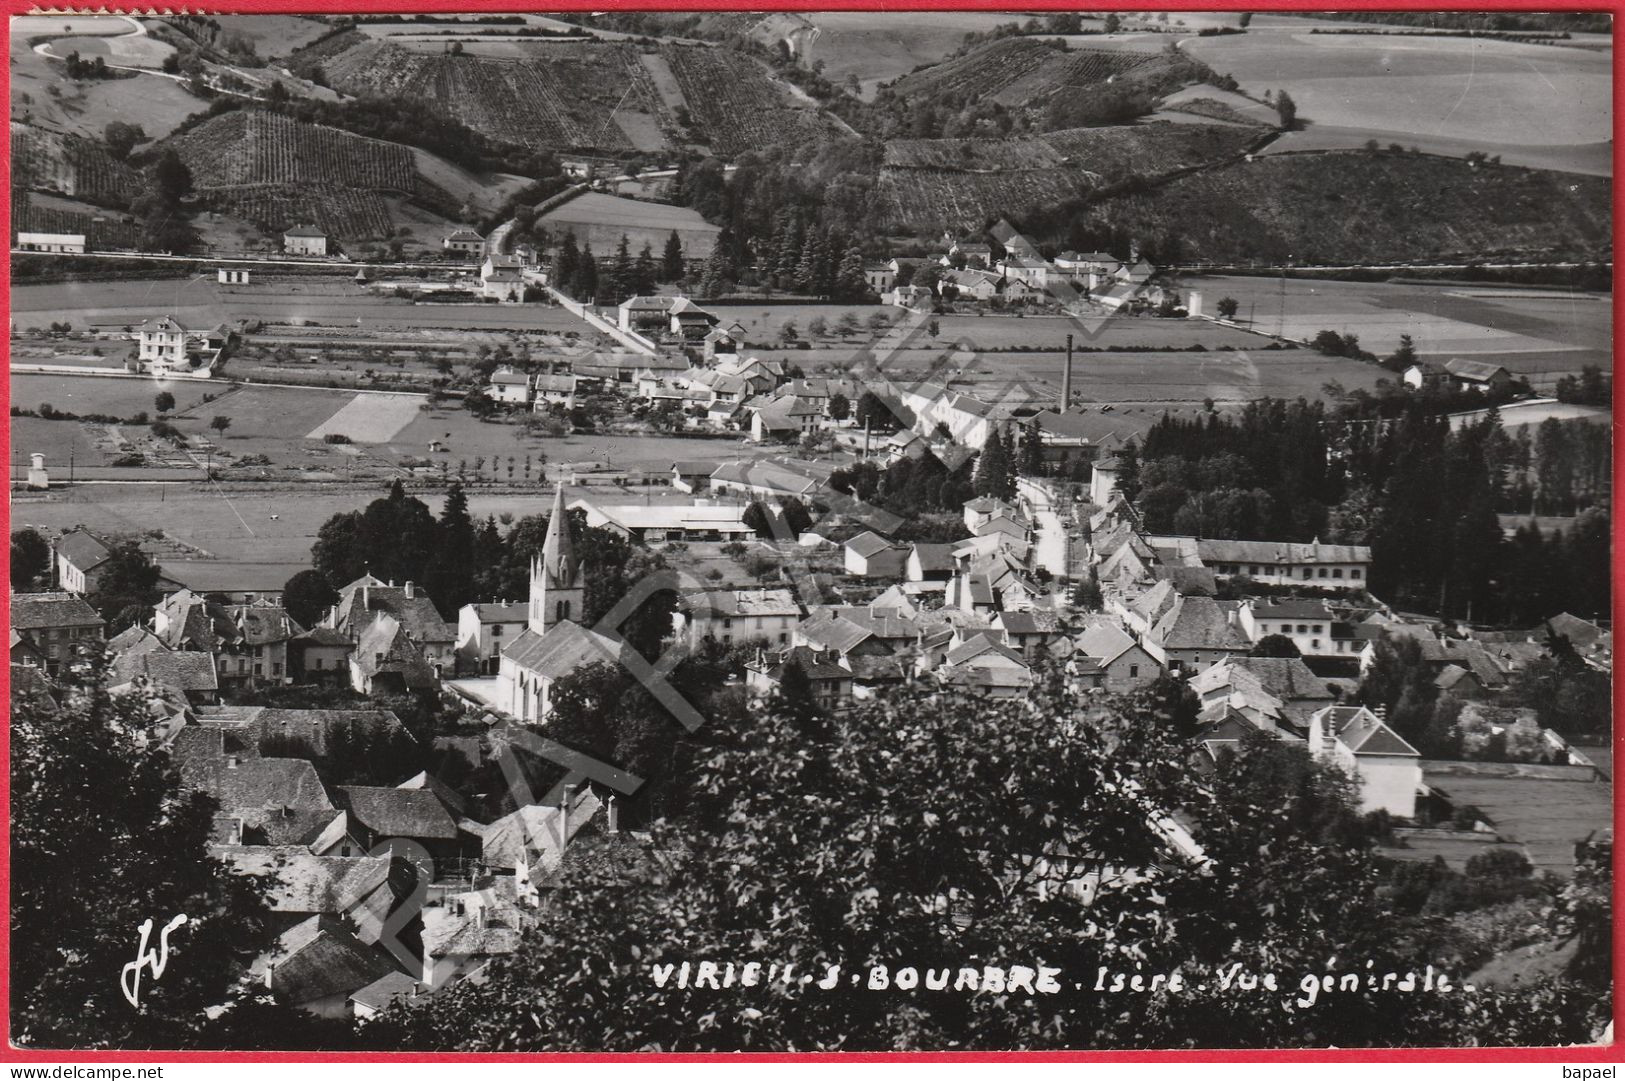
(613, 813)
(1066, 378)
(410, 590)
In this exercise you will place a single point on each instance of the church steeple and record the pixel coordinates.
(556, 590)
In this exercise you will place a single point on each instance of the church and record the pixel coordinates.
(552, 645)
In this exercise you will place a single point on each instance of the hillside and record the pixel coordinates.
(961, 183)
(1355, 207)
(276, 172)
(569, 95)
(1026, 71)
(736, 106)
(43, 160)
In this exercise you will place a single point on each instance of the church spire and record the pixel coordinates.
(558, 552)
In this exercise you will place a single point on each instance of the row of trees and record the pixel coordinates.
(579, 272)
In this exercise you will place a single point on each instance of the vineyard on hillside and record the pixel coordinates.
(53, 161)
(339, 212)
(567, 97)
(922, 200)
(735, 105)
(972, 154)
(1087, 67)
(253, 147)
(977, 74)
(1357, 207)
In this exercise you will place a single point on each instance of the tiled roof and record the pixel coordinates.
(386, 990)
(1198, 623)
(1362, 732)
(1105, 642)
(399, 812)
(1289, 552)
(533, 833)
(83, 549)
(263, 624)
(746, 602)
(564, 648)
(516, 612)
(181, 670)
(301, 882)
(416, 613)
(38, 611)
(320, 957)
(869, 544)
(1475, 370)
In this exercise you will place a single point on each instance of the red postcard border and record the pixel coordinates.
(10, 1053)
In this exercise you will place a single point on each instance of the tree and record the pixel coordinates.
(449, 575)
(1287, 110)
(337, 555)
(307, 596)
(817, 327)
(620, 275)
(479, 403)
(88, 791)
(1227, 308)
(1114, 23)
(164, 402)
(839, 407)
(873, 413)
(127, 587)
(788, 332)
(30, 558)
(220, 423)
(671, 261)
(121, 138)
(643, 272)
(1275, 645)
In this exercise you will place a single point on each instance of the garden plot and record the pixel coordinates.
(370, 418)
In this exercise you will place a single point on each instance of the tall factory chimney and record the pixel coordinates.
(1066, 378)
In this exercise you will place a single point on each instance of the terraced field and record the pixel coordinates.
(735, 105)
(925, 199)
(101, 231)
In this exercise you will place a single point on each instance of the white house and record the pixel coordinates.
(1103, 481)
(502, 278)
(510, 387)
(483, 630)
(1326, 566)
(231, 276)
(162, 342)
(1313, 628)
(463, 242)
(304, 240)
(739, 615)
(869, 555)
(1387, 769)
(551, 390)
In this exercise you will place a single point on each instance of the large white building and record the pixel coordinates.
(1388, 770)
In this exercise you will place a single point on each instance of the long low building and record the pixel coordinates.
(655, 523)
(1327, 566)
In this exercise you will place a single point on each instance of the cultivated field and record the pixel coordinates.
(737, 105)
(1530, 331)
(41, 95)
(876, 47)
(200, 302)
(1499, 96)
(370, 418)
(602, 218)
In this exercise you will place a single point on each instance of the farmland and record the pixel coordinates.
(40, 95)
(1363, 207)
(736, 105)
(1493, 96)
(601, 219)
(924, 200)
(1539, 333)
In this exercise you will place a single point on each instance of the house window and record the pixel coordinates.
(259, 669)
(1354, 573)
(1303, 628)
(1133, 671)
(1337, 572)
(1323, 572)
(1317, 628)
(727, 623)
(496, 631)
(276, 668)
(316, 663)
(1308, 572)
(783, 638)
(1314, 643)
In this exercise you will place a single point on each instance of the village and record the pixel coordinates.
(1044, 571)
